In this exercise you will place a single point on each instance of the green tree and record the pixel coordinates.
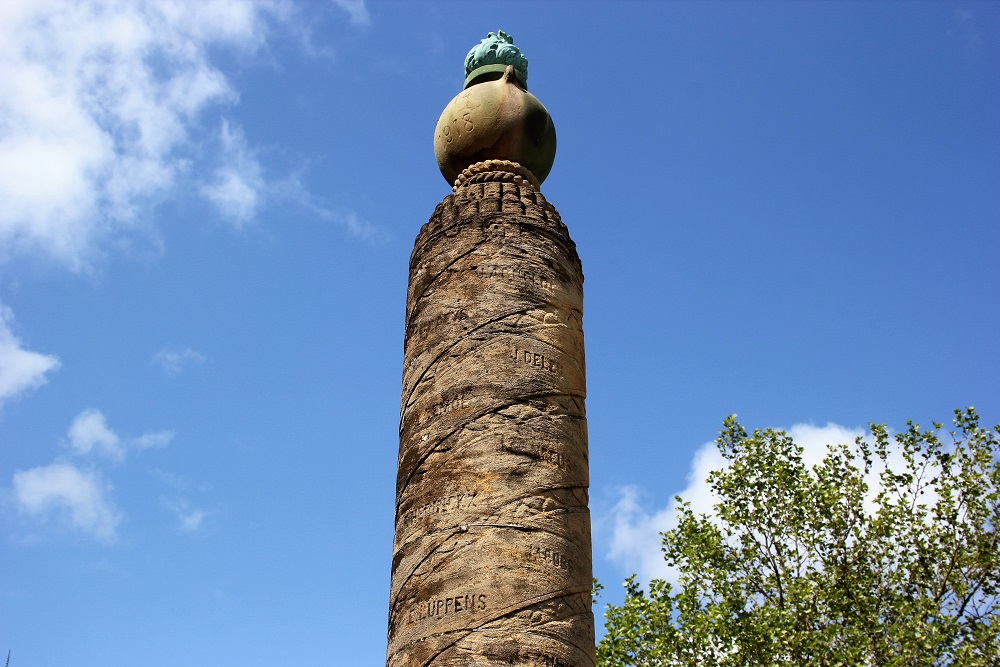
(884, 554)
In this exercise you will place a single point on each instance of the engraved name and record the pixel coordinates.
(548, 556)
(458, 501)
(552, 457)
(512, 273)
(441, 607)
(530, 358)
(539, 452)
(447, 403)
(423, 326)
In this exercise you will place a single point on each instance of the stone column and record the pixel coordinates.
(492, 553)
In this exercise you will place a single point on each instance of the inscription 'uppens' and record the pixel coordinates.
(458, 604)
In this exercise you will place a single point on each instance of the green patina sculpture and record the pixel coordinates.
(495, 119)
(493, 54)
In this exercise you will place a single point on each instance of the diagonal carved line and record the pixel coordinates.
(578, 449)
(569, 355)
(452, 346)
(423, 292)
(451, 530)
(417, 298)
(465, 529)
(558, 235)
(505, 614)
(470, 332)
(444, 539)
(472, 418)
(585, 649)
(499, 511)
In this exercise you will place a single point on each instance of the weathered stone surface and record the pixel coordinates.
(492, 554)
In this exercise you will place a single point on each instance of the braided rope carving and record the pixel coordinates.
(496, 170)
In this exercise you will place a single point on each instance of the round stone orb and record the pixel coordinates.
(495, 118)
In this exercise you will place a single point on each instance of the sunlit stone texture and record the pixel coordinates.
(492, 555)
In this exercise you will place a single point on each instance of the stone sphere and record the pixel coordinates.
(495, 120)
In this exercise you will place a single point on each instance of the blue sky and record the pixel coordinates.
(785, 210)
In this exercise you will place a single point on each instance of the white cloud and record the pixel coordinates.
(191, 521)
(237, 186)
(66, 492)
(152, 440)
(89, 434)
(21, 370)
(292, 189)
(635, 533)
(98, 101)
(356, 9)
(238, 189)
(173, 362)
(101, 108)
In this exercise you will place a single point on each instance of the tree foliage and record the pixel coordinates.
(884, 554)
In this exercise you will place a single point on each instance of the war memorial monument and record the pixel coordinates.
(492, 552)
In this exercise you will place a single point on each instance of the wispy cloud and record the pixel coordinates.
(966, 30)
(66, 493)
(191, 521)
(153, 440)
(189, 518)
(99, 100)
(237, 187)
(21, 370)
(356, 10)
(89, 434)
(291, 189)
(173, 362)
(102, 110)
(635, 542)
(102, 104)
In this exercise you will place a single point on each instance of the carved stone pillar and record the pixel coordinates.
(492, 552)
